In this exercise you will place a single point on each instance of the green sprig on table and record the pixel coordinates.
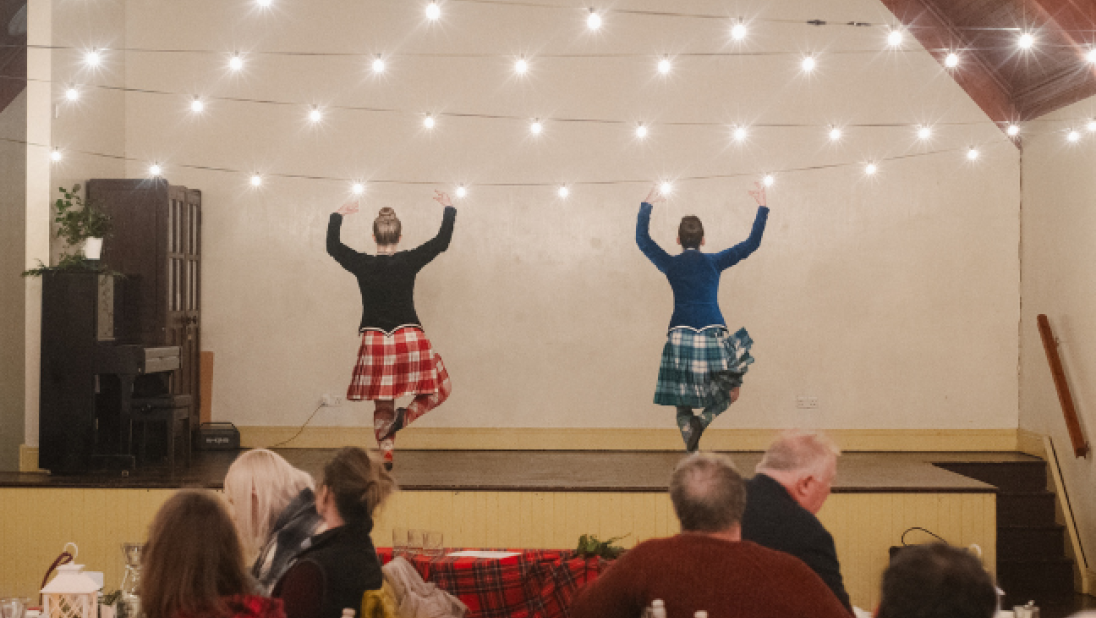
(589, 545)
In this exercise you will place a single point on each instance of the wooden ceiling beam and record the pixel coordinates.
(931, 27)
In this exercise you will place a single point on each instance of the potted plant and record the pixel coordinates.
(82, 225)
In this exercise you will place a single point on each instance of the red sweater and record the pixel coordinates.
(693, 572)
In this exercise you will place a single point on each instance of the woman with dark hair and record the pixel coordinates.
(702, 363)
(193, 565)
(395, 358)
(337, 567)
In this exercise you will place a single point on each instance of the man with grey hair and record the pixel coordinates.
(708, 566)
(792, 482)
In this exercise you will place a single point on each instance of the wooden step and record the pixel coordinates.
(1030, 542)
(1033, 508)
(1008, 476)
(1025, 580)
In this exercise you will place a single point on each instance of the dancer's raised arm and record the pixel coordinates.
(345, 256)
(424, 253)
(729, 257)
(649, 247)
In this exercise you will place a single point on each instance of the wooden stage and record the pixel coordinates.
(534, 499)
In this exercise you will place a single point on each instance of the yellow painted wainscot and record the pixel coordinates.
(37, 522)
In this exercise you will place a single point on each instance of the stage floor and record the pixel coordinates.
(593, 471)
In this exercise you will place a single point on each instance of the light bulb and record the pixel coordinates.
(357, 188)
(535, 127)
(93, 58)
(835, 134)
(1091, 126)
(72, 94)
(155, 170)
(378, 65)
(924, 133)
(870, 169)
(593, 22)
(55, 155)
(1026, 41)
(1013, 130)
(665, 188)
(1091, 55)
(433, 11)
(972, 153)
(1073, 135)
(263, 3)
(951, 60)
(564, 192)
(256, 180)
(809, 63)
(236, 62)
(738, 31)
(768, 180)
(894, 38)
(664, 66)
(641, 131)
(315, 115)
(197, 106)
(461, 191)
(521, 66)
(740, 134)
(428, 122)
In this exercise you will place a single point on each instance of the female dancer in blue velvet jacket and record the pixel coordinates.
(702, 365)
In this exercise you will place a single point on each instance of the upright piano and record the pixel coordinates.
(91, 367)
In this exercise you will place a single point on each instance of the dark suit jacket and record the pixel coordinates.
(775, 520)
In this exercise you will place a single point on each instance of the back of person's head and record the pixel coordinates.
(690, 232)
(936, 581)
(708, 493)
(387, 227)
(193, 559)
(800, 452)
(358, 482)
(259, 485)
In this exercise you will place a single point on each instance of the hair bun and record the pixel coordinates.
(386, 213)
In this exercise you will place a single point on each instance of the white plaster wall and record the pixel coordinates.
(1059, 263)
(893, 299)
(13, 168)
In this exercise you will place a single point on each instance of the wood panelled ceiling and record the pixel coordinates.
(1008, 83)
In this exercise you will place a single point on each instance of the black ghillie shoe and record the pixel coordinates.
(696, 429)
(397, 424)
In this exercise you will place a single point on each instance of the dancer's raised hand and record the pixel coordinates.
(349, 208)
(759, 194)
(442, 198)
(654, 196)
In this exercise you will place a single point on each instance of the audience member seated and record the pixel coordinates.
(274, 509)
(708, 566)
(784, 496)
(337, 566)
(936, 581)
(193, 565)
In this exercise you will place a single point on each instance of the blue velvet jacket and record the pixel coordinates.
(693, 275)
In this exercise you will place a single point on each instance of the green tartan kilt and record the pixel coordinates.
(700, 369)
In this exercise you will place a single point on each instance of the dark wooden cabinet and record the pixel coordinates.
(157, 245)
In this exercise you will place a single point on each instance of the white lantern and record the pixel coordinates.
(71, 594)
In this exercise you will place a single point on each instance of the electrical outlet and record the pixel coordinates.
(804, 402)
(331, 401)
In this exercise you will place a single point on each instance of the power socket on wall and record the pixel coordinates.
(330, 401)
(804, 402)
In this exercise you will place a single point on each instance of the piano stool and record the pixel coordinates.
(169, 410)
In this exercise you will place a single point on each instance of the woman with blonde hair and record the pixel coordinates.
(339, 565)
(274, 510)
(193, 565)
(395, 358)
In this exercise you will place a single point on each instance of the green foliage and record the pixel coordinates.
(111, 598)
(76, 221)
(589, 545)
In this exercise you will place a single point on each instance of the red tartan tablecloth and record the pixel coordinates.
(537, 583)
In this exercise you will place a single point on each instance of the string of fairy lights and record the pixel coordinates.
(739, 31)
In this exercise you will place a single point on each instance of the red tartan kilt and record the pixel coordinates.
(391, 366)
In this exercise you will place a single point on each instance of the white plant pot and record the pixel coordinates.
(93, 248)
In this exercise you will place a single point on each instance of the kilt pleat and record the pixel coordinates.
(699, 368)
(391, 366)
